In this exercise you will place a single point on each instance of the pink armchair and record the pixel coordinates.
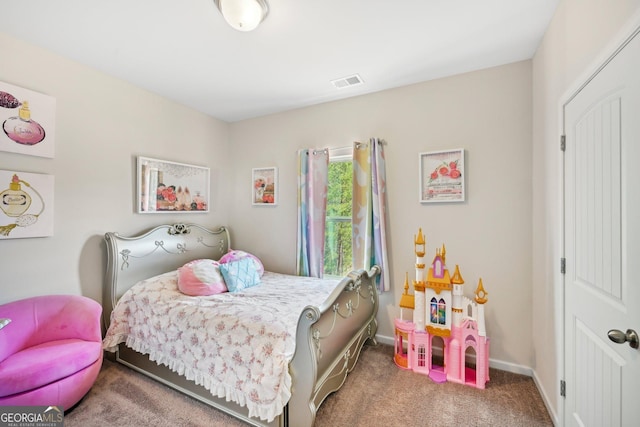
(50, 350)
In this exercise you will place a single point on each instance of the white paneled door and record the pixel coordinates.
(602, 246)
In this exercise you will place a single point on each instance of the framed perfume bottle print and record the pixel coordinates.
(169, 187)
(28, 121)
(26, 204)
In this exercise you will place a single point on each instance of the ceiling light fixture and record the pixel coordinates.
(243, 15)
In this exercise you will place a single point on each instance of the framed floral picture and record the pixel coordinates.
(264, 189)
(165, 186)
(442, 176)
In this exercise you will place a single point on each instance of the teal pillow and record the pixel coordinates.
(240, 274)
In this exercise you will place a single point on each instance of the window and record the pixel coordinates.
(438, 311)
(422, 356)
(438, 271)
(434, 311)
(442, 312)
(338, 257)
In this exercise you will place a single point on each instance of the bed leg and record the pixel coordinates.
(372, 328)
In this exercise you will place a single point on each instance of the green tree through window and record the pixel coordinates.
(338, 259)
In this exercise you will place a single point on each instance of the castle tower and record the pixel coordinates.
(407, 299)
(481, 299)
(419, 283)
(458, 296)
(419, 249)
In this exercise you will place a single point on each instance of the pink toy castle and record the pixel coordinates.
(442, 318)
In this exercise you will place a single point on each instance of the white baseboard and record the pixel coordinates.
(545, 399)
(386, 340)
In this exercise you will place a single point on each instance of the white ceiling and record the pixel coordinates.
(185, 51)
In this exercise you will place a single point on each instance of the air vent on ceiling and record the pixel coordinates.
(347, 81)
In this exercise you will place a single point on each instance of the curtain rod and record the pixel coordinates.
(357, 143)
(366, 144)
(314, 152)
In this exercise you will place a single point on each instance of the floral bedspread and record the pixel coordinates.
(236, 345)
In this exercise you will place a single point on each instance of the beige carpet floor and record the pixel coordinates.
(376, 393)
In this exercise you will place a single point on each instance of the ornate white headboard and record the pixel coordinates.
(162, 249)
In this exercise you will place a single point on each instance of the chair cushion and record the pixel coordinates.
(40, 365)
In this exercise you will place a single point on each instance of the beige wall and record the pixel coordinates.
(581, 35)
(102, 124)
(488, 113)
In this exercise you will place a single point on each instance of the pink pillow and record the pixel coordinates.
(235, 255)
(201, 277)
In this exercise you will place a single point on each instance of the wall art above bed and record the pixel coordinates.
(165, 186)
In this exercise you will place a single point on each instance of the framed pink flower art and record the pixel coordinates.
(442, 176)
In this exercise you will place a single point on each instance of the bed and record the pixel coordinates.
(320, 346)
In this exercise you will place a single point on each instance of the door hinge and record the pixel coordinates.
(563, 388)
(563, 265)
(563, 142)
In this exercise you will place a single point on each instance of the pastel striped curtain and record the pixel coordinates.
(313, 176)
(369, 209)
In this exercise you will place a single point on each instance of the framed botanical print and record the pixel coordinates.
(442, 176)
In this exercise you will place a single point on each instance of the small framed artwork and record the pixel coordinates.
(28, 121)
(26, 205)
(442, 176)
(264, 189)
(166, 186)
